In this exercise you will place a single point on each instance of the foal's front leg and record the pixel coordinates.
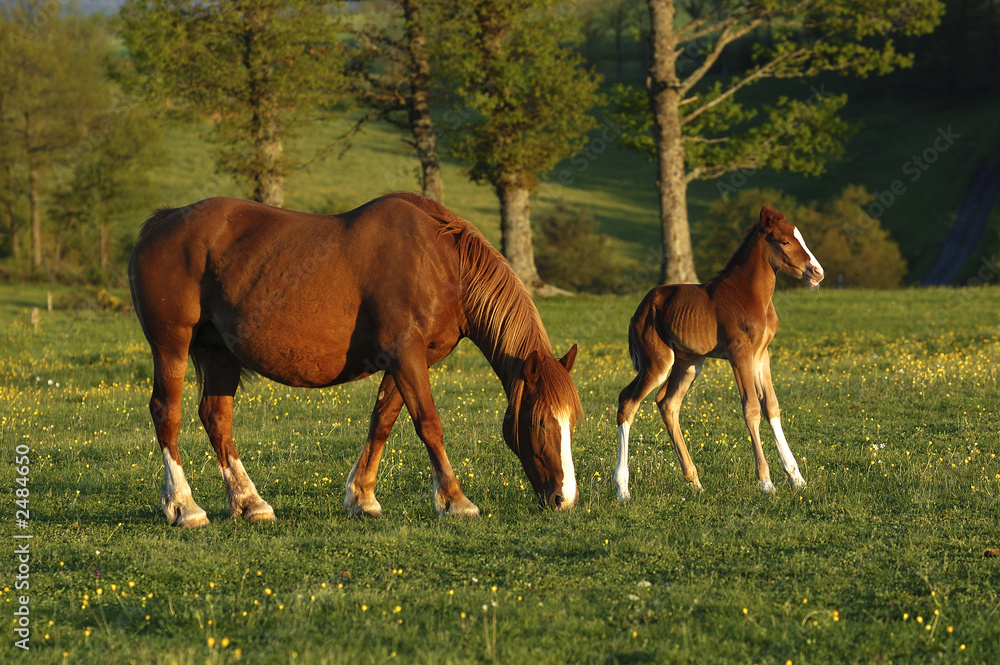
(360, 499)
(773, 415)
(743, 367)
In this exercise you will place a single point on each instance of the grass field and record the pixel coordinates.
(889, 402)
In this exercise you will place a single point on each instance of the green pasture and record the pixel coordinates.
(889, 401)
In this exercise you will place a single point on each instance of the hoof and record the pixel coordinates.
(188, 520)
(372, 509)
(767, 487)
(187, 515)
(624, 497)
(261, 512)
(797, 480)
(696, 487)
(462, 509)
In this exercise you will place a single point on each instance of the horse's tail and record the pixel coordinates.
(633, 352)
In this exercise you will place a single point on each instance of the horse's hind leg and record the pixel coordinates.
(669, 399)
(221, 376)
(165, 407)
(360, 499)
(652, 372)
(773, 415)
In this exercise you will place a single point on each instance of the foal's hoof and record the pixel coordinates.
(193, 520)
(696, 487)
(624, 497)
(767, 487)
(798, 481)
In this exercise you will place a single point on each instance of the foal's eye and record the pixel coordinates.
(784, 242)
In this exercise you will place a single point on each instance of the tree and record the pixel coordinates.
(110, 181)
(392, 76)
(526, 99)
(51, 94)
(257, 68)
(700, 131)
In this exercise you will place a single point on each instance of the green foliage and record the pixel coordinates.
(570, 254)
(256, 68)
(802, 40)
(524, 93)
(53, 97)
(853, 248)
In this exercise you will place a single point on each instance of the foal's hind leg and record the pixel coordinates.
(165, 407)
(652, 373)
(360, 498)
(222, 377)
(773, 415)
(669, 400)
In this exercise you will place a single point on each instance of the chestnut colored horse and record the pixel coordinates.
(316, 300)
(731, 316)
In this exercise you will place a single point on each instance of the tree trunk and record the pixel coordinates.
(418, 104)
(36, 217)
(677, 260)
(515, 226)
(269, 185)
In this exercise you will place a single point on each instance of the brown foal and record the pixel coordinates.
(731, 316)
(316, 300)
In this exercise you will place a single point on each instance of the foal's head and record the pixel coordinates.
(786, 249)
(538, 427)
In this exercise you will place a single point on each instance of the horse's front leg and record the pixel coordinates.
(409, 370)
(773, 415)
(360, 499)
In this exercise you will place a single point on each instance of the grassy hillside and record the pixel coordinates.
(617, 186)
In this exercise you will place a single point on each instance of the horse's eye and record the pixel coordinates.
(784, 242)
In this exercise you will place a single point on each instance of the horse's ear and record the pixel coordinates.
(532, 368)
(568, 359)
(767, 216)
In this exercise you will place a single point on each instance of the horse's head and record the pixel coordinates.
(538, 427)
(787, 249)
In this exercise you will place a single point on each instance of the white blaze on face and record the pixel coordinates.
(813, 263)
(569, 491)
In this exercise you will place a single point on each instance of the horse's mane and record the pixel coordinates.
(154, 221)
(739, 256)
(502, 317)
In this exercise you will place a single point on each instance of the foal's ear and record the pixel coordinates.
(768, 216)
(532, 367)
(568, 359)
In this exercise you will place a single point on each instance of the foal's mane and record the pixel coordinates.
(502, 317)
(739, 257)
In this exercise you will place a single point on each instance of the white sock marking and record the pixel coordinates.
(621, 471)
(787, 458)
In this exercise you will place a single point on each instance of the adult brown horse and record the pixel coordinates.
(316, 300)
(731, 316)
